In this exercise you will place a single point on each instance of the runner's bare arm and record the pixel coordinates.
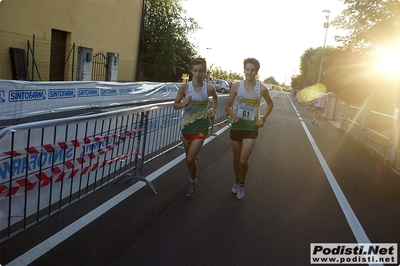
(270, 106)
(229, 102)
(213, 93)
(180, 100)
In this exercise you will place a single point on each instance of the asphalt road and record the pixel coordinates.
(306, 184)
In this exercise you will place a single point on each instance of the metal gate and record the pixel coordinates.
(99, 67)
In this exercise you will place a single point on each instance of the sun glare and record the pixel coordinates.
(390, 61)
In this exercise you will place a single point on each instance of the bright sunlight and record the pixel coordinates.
(390, 61)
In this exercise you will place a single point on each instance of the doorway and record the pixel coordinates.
(57, 55)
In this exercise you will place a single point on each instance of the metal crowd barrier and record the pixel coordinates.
(48, 165)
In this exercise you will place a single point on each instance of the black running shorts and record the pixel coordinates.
(239, 135)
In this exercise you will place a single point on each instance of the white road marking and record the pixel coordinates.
(351, 218)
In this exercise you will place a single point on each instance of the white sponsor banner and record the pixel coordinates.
(20, 99)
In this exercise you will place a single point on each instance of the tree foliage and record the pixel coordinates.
(271, 80)
(165, 51)
(371, 24)
(310, 62)
(374, 27)
(218, 73)
(351, 70)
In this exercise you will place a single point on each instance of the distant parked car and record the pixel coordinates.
(221, 85)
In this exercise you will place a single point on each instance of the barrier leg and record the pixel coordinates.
(141, 178)
(138, 178)
(212, 129)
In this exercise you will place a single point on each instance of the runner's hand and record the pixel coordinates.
(211, 113)
(187, 100)
(236, 118)
(260, 122)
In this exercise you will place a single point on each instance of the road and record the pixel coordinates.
(306, 184)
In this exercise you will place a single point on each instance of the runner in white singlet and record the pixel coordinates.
(245, 97)
(193, 98)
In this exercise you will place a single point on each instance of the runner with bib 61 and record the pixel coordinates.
(243, 106)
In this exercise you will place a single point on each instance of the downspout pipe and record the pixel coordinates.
(140, 41)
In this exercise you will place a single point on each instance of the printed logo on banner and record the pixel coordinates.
(33, 162)
(125, 91)
(27, 95)
(169, 120)
(152, 125)
(61, 93)
(88, 92)
(169, 88)
(2, 97)
(108, 92)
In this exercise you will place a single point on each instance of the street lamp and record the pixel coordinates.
(208, 73)
(326, 26)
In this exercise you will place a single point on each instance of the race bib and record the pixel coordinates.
(246, 112)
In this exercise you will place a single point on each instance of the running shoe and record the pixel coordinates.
(191, 190)
(240, 193)
(235, 188)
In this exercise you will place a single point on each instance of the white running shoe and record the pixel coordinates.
(192, 189)
(235, 188)
(240, 193)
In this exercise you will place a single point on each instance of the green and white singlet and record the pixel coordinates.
(195, 115)
(247, 106)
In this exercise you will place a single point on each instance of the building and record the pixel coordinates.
(49, 38)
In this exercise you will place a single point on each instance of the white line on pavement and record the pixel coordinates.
(352, 219)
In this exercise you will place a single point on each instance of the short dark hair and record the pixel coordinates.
(251, 61)
(199, 61)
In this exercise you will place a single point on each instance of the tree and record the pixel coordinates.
(271, 80)
(296, 82)
(310, 62)
(351, 70)
(218, 73)
(165, 51)
(371, 24)
(307, 67)
(374, 27)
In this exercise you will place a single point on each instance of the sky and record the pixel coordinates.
(277, 33)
